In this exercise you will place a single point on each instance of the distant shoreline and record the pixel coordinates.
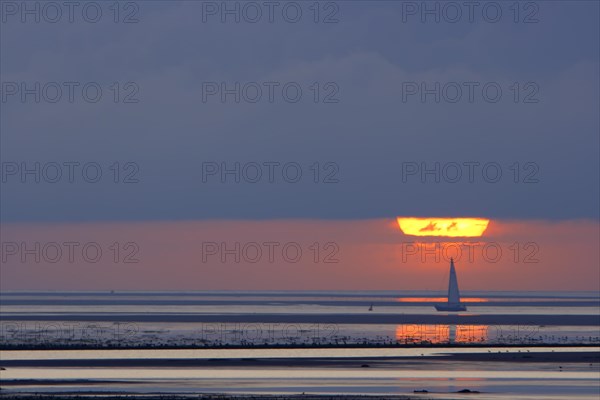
(353, 319)
(147, 346)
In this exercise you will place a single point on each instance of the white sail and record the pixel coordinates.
(453, 293)
(453, 303)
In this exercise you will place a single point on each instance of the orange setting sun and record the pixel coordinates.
(449, 227)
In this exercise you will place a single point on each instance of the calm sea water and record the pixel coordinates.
(166, 318)
(269, 318)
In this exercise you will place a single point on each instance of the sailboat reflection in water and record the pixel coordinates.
(454, 303)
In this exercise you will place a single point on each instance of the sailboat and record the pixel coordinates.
(454, 303)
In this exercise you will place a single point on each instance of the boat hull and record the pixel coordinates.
(451, 307)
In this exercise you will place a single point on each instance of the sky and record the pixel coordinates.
(363, 254)
(171, 125)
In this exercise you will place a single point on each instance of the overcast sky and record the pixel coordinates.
(365, 122)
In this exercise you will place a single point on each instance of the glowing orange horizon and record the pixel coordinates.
(448, 227)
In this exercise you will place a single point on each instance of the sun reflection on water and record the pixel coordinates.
(440, 299)
(438, 334)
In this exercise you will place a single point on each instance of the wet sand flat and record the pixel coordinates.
(310, 362)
